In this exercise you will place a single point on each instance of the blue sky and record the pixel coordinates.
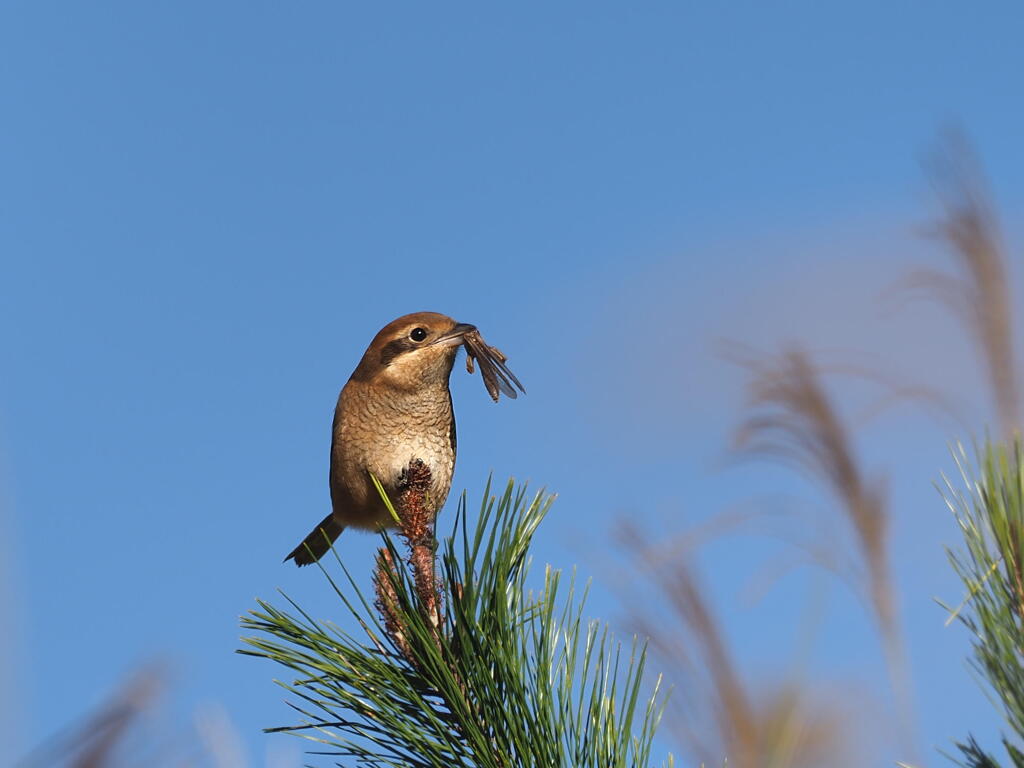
(207, 210)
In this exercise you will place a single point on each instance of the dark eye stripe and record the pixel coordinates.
(393, 349)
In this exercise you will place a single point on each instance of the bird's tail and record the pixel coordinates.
(317, 542)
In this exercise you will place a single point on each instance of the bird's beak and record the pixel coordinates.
(454, 336)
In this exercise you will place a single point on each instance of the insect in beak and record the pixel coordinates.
(496, 375)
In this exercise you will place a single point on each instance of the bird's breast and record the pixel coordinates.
(381, 433)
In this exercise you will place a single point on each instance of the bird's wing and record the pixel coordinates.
(453, 439)
(335, 450)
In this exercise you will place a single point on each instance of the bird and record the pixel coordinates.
(396, 408)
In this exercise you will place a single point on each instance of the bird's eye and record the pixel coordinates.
(418, 334)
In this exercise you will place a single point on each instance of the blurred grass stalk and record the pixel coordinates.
(978, 294)
(110, 736)
(990, 513)
(129, 730)
(713, 711)
(791, 419)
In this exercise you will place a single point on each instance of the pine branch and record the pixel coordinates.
(990, 513)
(490, 674)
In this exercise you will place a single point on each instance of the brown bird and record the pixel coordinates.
(396, 408)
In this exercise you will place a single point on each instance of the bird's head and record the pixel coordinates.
(413, 351)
